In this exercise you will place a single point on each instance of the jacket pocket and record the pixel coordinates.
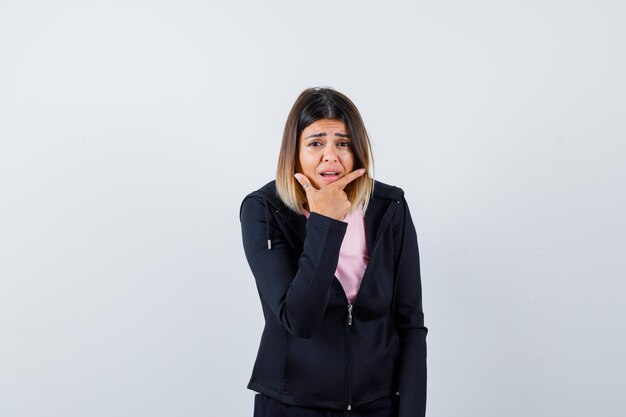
(376, 349)
(316, 369)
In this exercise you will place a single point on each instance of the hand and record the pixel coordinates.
(331, 200)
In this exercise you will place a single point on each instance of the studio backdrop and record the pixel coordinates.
(130, 131)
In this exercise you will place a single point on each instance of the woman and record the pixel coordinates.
(335, 258)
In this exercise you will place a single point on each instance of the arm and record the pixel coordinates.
(294, 286)
(409, 322)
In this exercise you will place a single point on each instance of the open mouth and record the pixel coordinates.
(330, 176)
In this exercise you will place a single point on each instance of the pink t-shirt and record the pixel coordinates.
(353, 255)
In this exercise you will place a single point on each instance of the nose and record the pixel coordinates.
(330, 154)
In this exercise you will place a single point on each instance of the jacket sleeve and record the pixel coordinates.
(409, 322)
(295, 286)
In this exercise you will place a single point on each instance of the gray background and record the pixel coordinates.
(130, 131)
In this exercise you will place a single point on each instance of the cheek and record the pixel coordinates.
(348, 161)
(306, 162)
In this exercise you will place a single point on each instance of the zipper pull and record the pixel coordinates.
(349, 314)
(349, 407)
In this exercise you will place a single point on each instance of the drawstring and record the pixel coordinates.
(267, 225)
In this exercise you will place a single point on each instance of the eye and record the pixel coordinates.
(314, 143)
(344, 144)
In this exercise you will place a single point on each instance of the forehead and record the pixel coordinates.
(324, 125)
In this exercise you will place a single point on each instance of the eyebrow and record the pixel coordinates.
(319, 135)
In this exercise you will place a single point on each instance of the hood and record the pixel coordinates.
(382, 193)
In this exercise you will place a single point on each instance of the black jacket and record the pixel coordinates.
(317, 350)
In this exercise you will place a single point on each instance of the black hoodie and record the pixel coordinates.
(317, 350)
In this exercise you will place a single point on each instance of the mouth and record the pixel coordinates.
(330, 176)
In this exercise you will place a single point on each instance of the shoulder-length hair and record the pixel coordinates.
(314, 104)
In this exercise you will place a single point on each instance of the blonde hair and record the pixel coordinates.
(314, 104)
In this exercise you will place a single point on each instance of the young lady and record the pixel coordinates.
(335, 258)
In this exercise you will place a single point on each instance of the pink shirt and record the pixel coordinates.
(353, 255)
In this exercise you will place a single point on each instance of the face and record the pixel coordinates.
(325, 152)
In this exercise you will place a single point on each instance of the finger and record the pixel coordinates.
(304, 182)
(348, 178)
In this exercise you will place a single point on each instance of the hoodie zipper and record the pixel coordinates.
(349, 355)
(349, 314)
(351, 308)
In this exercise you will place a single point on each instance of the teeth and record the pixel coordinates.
(330, 173)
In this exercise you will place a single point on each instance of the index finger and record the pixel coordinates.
(348, 178)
